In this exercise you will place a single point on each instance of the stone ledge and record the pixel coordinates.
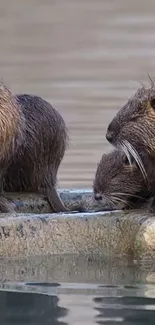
(32, 230)
(102, 233)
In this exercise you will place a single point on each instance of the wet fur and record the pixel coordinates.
(12, 126)
(118, 183)
(135, 124)
(38, 139)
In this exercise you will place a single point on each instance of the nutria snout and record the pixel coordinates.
(118, 183)
(135, 121)
(97, 196)
(109, 135)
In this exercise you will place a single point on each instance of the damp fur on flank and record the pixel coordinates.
(33, 141)
(133, 131)
(120, 184)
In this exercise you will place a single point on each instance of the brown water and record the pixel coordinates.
(86, 57)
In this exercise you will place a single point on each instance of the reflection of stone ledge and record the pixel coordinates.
(74, 269)
(105, 233)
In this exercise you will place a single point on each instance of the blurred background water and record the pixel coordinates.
(86, 57)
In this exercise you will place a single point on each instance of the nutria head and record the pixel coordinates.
(133, 127)
(118, 183)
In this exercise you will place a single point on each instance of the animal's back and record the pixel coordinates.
(43, 147)
(45, 125)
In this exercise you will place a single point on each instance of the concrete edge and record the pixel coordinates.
(107, 234)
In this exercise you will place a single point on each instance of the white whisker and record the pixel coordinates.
(117, 199)
(127, 154)
(131, 150)
(127, 194)
(109, 201)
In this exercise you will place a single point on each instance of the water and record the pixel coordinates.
(72, 290)
(78, 308)
(87, 58)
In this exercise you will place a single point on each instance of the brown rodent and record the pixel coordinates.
(118, 184)
(12, 125)
(133, 130)
(33, 142)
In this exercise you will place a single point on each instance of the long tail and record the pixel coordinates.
(54, 200)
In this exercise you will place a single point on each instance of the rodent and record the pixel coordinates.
(118, 183)
(33, 142)
(133, 131)
(12, 125)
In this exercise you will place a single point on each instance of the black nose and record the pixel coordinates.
(109, 136)
(98, 196)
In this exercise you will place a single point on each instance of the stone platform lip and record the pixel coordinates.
(61, 215)
(103, 233)
(33, 229)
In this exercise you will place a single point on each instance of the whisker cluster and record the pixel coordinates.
(130, 150)
(115, 199)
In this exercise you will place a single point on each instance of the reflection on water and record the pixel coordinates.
(113, 305)
(30, 309)
(87, 57)
(125, 310)
(72, 290)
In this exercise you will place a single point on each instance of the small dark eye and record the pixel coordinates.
(152, 102)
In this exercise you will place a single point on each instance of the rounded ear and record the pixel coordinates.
(152, 102)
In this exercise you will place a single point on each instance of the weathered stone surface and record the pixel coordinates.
(74, 199)
(145, 240)
(41, 232)
(112, 233)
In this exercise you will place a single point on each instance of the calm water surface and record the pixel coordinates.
(77, 291)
